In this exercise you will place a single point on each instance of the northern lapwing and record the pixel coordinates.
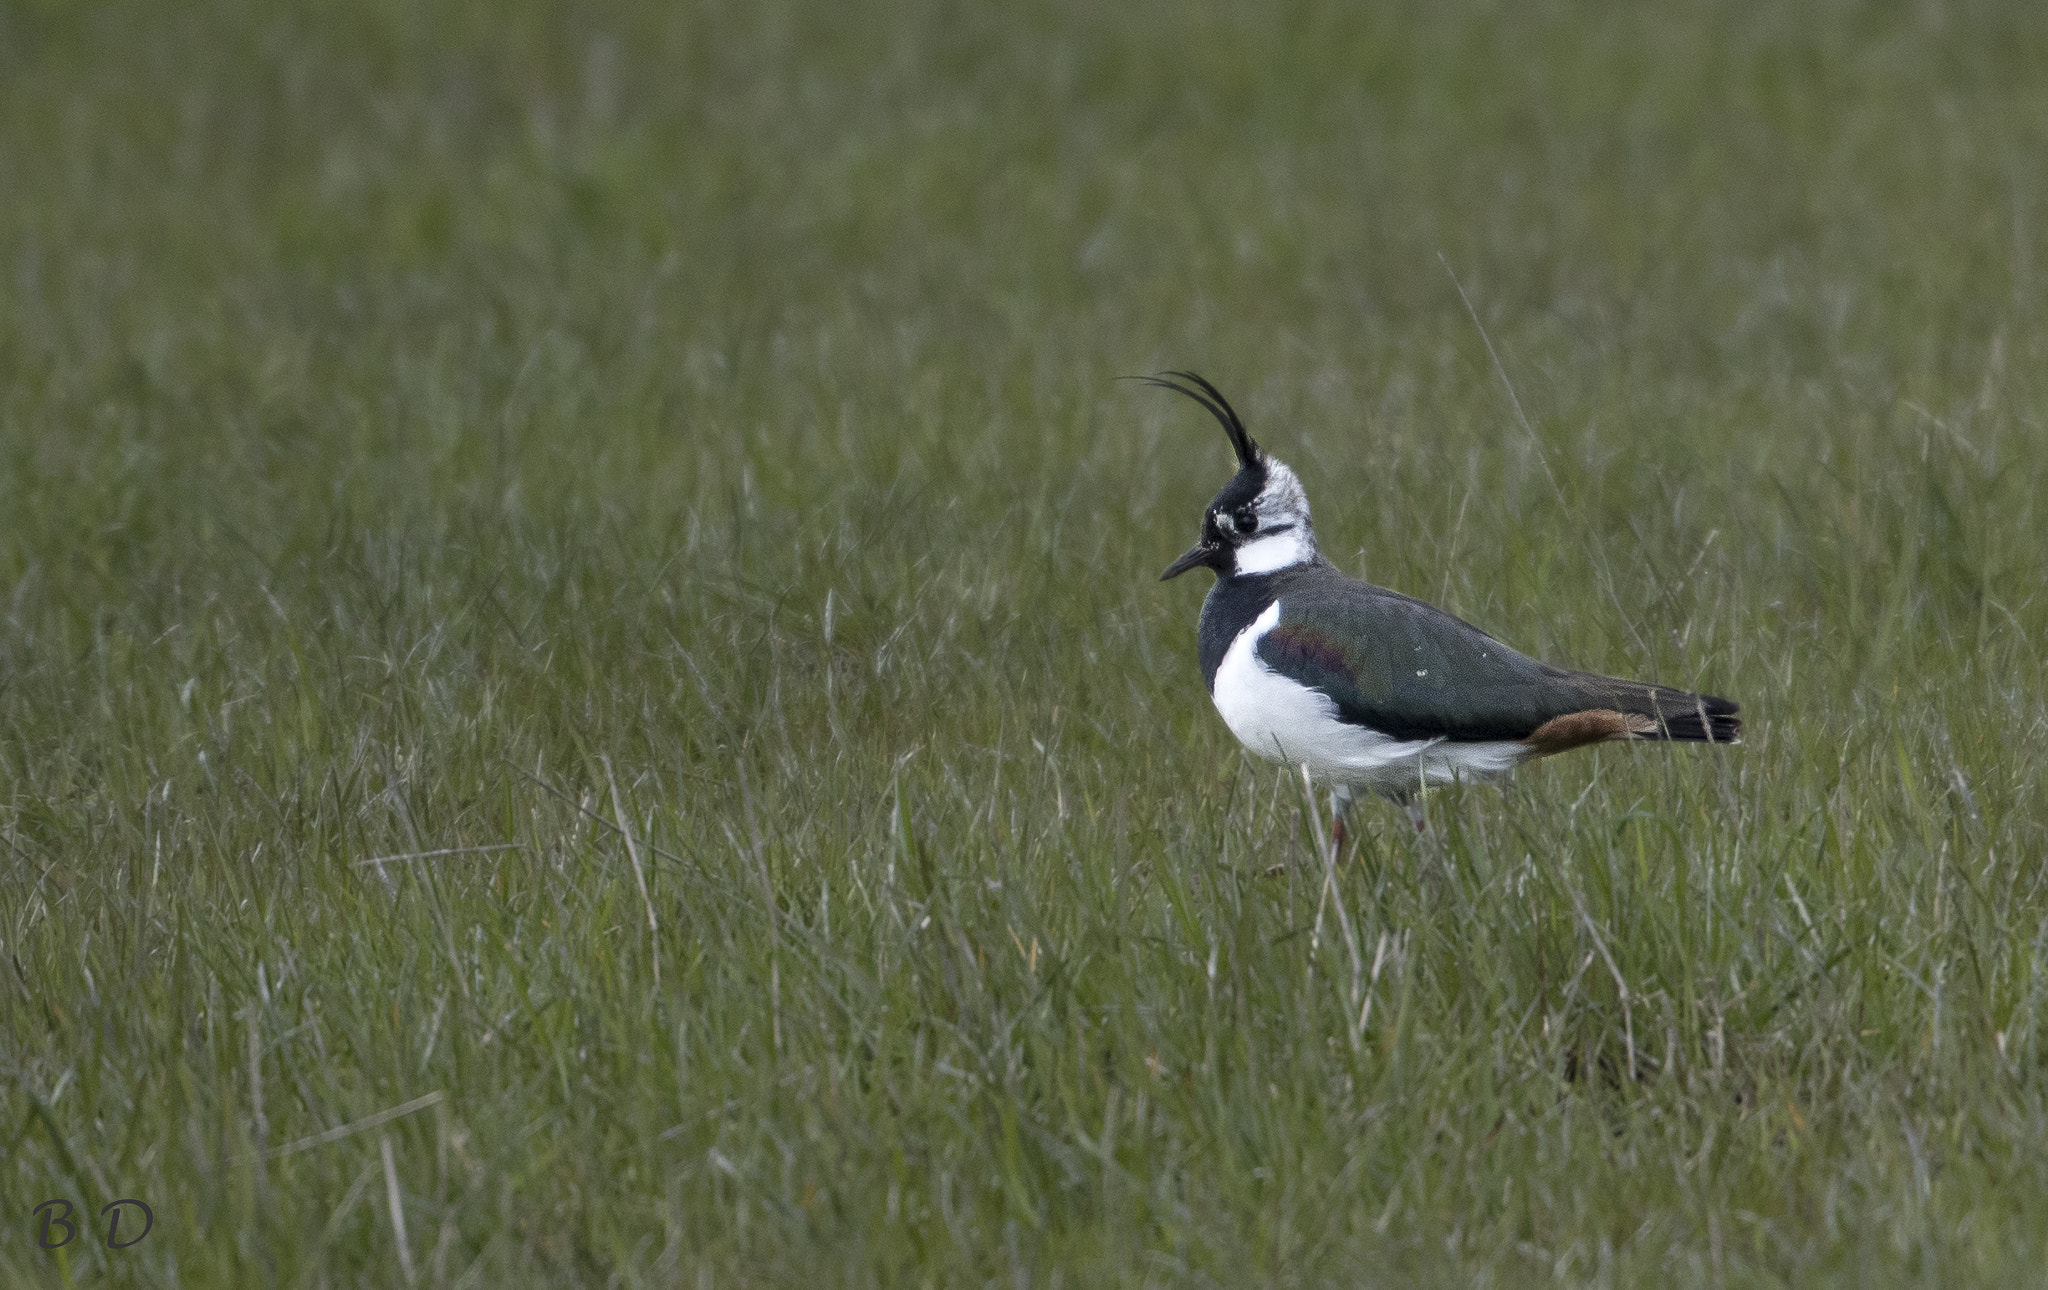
(1367, 688)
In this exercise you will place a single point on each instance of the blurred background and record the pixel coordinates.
(679, 446)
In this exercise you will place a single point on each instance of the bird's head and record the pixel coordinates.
(1259, 522)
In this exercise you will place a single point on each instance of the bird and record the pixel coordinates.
(1367, 689)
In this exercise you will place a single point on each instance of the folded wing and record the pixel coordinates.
(1412, 671)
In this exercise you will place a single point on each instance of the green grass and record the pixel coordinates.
(416, 421)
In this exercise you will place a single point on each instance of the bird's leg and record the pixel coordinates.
(1340, 811)
(1407, 799)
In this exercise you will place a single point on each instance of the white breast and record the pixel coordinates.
(1283, 720)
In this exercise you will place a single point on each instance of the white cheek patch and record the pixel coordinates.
(1278, 551)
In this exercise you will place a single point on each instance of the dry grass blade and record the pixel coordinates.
(368, 1122)
(639, 873)
(404, 856)
(397, 1210)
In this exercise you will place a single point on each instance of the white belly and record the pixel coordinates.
(1285, 721)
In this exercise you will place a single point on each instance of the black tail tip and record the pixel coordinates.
(1709, 720)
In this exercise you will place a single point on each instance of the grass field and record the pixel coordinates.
(665, 464)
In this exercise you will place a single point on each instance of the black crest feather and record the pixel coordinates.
(1248, 453)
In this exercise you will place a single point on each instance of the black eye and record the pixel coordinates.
(1247, 519)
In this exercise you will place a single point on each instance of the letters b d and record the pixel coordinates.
(54, 1216)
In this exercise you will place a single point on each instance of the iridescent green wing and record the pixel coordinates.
(1412, 671)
